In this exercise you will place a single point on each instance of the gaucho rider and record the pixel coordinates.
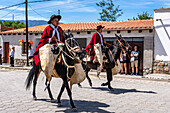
(52, 34)
(97, 37)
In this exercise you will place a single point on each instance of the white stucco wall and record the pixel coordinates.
(13, 41)
(162, 34)
(145, 35)
(134, 33)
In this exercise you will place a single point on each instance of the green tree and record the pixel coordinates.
(17, 24)
(0, 22)
(144, 16)
(110, 12)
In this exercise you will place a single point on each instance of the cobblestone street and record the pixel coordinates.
(129, 96)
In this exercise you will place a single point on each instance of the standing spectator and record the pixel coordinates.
(0, 55)
(83, 50)
(128, 64)
(123, 61)
(134, 60)
(30, 54)
(12, 56)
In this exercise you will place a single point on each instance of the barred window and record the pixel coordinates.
(24, 49)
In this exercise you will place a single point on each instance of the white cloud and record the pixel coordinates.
(67, 6)
(80, 9)
(48, 11)
(46, 8)
(17, 8)
(167, 4)
(148, 3)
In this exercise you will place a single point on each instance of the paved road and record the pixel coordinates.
(129, 96)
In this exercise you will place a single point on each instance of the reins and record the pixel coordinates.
(119, 48)
(71, 51)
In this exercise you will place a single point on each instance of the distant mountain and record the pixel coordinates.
(32, 23)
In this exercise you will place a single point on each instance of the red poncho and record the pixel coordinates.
(47, 34)
(94, 40)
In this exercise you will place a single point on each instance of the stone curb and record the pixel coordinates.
(151, 77)
(14, 68)
(147, 77)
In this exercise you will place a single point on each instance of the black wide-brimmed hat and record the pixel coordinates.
(99, 27)
(54, 16)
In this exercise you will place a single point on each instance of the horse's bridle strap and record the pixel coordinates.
(113, 58)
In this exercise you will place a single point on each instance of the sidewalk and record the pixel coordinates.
(154, 77)
(16, 67)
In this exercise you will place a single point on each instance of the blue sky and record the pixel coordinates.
(78, 10)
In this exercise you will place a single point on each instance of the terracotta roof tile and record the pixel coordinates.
(4, 28)
(133, 24)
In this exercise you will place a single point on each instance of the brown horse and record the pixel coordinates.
(65, 70)
(113, 54)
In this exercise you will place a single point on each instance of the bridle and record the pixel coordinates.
(72, 49)
(122, 46)
(72, 55)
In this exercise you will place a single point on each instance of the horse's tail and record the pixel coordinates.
(29, 78)
(32, 74)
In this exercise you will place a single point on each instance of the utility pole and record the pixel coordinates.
(13, 21)
(26, 16)
(58, 12)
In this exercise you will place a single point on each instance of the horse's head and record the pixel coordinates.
(122, 43)
(71, 44)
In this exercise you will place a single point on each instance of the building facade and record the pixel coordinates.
(137, 33)
(162, 40)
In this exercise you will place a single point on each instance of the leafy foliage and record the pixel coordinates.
(110, 12)
(143, 16)
(17, 24)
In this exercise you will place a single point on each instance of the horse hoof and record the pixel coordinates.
(34, 98)
(110, 88)
(74, 110)
(90, 85)
(58, 104)
(80, 86)
(52, 101)
(103, 84)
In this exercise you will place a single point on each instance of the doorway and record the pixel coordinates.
(6, 52)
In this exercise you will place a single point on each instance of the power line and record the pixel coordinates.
(39, 1)
(60, 4)
(12, 6)
(36, 12)
(24, 3)
(10, 12)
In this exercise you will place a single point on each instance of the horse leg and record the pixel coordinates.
(70, 95)
(88, 78)
(59, 96)
(109, 79)
(79, 85)
(49, 91)
(34, 84)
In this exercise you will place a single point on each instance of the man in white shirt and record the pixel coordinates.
(30, 54)
(12, 56)
(0, 55)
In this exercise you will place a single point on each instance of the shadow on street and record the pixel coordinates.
(82, 106)
(122, 91)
